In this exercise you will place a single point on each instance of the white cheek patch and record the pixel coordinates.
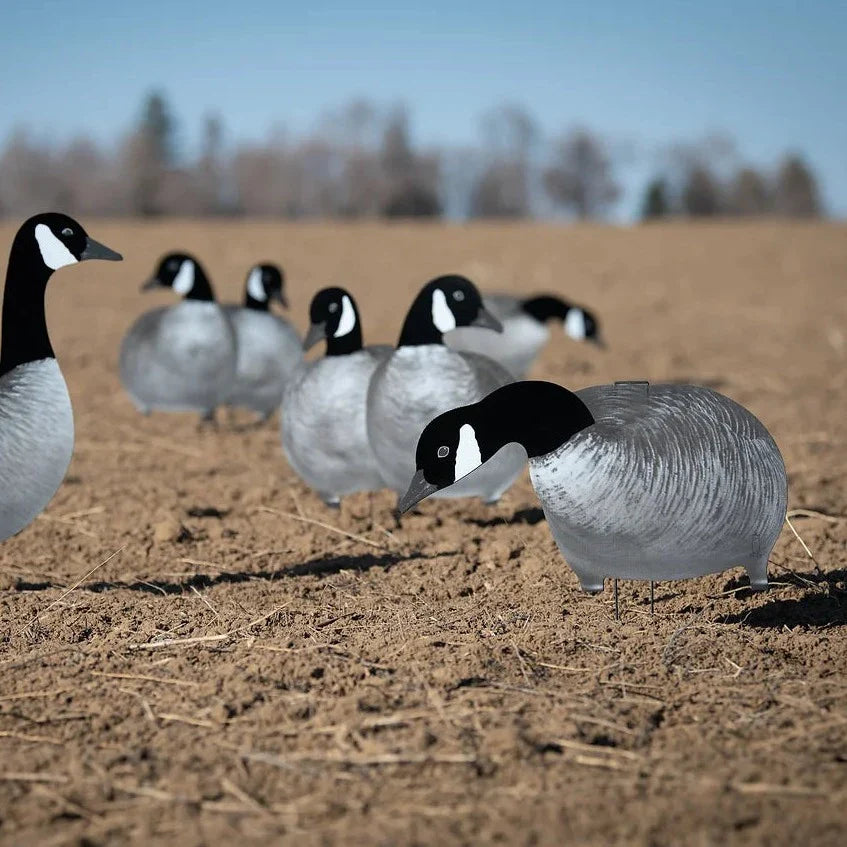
(53, 252)
(575, 324)
(347, 321)
(468, 457)
(254, 285)
(442, 317)
(184, 280)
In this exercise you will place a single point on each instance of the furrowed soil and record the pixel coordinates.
(196, 651)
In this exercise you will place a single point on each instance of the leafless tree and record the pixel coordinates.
(750, 194)
(581, 177)
(701, 195)
(797, 189)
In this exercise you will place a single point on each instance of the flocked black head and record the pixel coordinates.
(540, 416)
(43, 244)
(335, 317)
(578, 323)
(182, 273)
(264, 283)
(444, 304)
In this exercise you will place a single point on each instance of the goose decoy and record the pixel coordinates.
(324, 434)
(637, 481)
(423, 378)
(525, 329)
(180, 358)
(36, 419)
(269, 348)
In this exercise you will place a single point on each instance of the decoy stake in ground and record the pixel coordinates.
(36, 419)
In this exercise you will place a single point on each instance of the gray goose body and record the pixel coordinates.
(323, 421)
(516, 348)
(36, 419)
(670, 483)
(269, 351)
(179, 358)
(414, 385)
(36, 441)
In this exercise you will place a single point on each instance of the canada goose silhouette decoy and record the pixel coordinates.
(324, 433)
(637, 481)
(36, 419)
(180, 358)
(423, 377)
(526, 329)
(269, 348)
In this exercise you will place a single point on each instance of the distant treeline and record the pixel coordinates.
(361, 162)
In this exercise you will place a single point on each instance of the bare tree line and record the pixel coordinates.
(361, 162)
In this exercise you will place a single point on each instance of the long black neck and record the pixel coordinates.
(202, 288)
(419, 327)
(540, 416)
(350, 342)
(545, 307)
(251, 302)
(25, 337)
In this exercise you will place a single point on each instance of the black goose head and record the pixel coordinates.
(264, 283)
(50, 241)
(540, 416)
(43, 244)
(183, 274)
(335, 317)
(443, 304)
(578, 323)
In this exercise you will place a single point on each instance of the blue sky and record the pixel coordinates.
(772, 73)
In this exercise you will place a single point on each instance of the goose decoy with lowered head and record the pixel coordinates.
(324, 433)
(36, 419)
(269, 348)
(180, 358)
(525, 329)
(423, 378)
(637, 481)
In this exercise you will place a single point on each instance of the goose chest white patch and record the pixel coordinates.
(254, 285)
(575, 324)
(347, 321)
(468, 456)
(53, 252)
(184, 280)
(442, 316)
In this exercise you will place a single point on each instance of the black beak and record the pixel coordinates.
(151, 283)
(316, 333)
(419, 489)
(96, 250)
(485, 319)
(279, 296)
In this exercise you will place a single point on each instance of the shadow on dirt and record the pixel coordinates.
(315, 567)
(826, 606)
(530, 516)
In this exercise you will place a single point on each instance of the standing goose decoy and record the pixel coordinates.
(525, 330)
(324, 433)
(180, 358)
(423, 378)
(269, 348)
(36, 419)
(637, 481)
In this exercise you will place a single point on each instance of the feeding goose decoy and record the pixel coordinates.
(36, 419)
(269, 348)
(525, 329)
(180, 358)
(324, 433)
(423, 378)
(637, 481)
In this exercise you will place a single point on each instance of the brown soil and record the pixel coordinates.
(249, 665)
